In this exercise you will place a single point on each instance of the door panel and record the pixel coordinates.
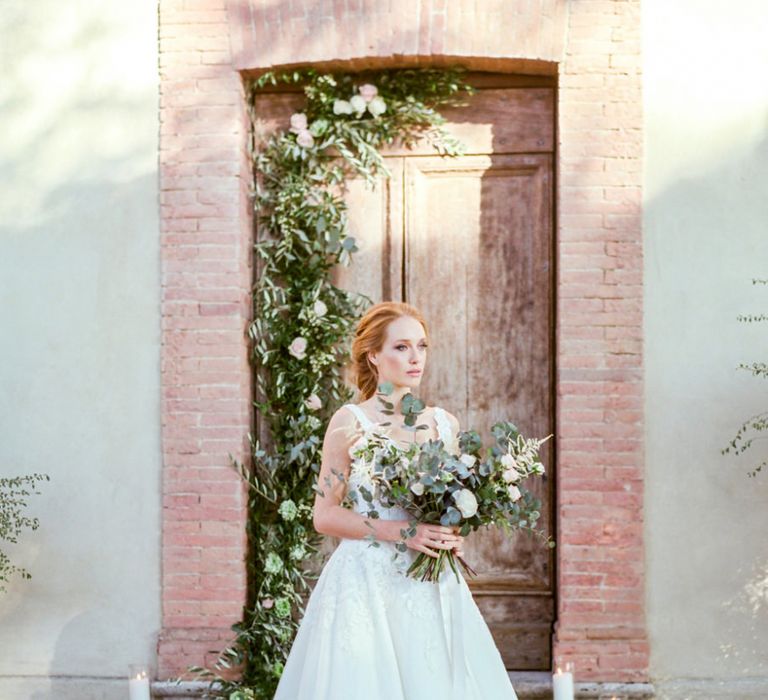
(375, 220)
(478, 247)
(469, 241)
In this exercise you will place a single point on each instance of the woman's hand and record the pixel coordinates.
(429, 537)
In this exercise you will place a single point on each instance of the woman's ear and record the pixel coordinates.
(372, 359)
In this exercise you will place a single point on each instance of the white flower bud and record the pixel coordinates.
(342, 107)
(508, 460)
(320, 308)
(358, 104)
(377, 106)
(465, 502)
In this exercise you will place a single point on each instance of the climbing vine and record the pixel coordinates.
(303, 324)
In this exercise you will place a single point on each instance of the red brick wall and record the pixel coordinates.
(206, 265)
(206, 385)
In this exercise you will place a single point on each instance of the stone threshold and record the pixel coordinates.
(528, 685)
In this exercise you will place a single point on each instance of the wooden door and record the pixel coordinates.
(469, 241)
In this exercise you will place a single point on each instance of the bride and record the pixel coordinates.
(369, 631)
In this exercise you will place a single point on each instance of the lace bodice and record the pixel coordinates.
(359, 472)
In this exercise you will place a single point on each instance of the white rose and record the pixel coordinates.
(377, 106)
(358, 104)
(508, 460)
(417, 488)
(320, 308)
(453, 445)
(298, 347)
(538, 468)
(514, 492)
(368, 91)
(465, 502)
(511, 475)
(313, 402)
(469, 460)
(298, 122)
(342, 107)
(305, 139)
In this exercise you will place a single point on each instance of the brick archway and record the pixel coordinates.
(206, 47)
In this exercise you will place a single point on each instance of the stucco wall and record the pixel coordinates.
(706, 237)
(79, 376)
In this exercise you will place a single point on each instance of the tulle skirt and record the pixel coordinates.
(371, 632)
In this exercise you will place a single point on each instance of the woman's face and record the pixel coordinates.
(404, 352)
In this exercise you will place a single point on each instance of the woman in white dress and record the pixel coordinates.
(369, 631)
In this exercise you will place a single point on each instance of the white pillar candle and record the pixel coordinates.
(562, 684)
(138, 684)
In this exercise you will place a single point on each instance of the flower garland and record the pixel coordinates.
(303, 324)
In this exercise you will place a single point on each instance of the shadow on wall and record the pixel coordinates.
(63, 682)
(81, 403)
(79, 282)
(705, 239)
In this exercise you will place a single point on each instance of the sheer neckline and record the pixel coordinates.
(440, 420)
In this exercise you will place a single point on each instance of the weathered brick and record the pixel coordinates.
(206, 266)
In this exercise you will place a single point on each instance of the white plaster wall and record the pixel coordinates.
(79, 342)
(706, 237)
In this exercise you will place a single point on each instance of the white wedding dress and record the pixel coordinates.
(371, 632)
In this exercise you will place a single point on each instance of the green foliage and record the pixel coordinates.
(303, 325)
(749, 430)
(13, 493)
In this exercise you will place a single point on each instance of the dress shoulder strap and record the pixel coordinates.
(443, 425)
(361, 417)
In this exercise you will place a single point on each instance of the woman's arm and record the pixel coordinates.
(329, 516)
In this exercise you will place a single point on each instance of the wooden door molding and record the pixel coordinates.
(479, 247)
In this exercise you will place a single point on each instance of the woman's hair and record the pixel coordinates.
(369, 336)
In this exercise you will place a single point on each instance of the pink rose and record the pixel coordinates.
(267, 603)
(298, 347)
(368, 91)
(298, 122)
(305, 139)
(313, 402)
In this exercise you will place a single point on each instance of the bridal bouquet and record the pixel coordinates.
(453, 485)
